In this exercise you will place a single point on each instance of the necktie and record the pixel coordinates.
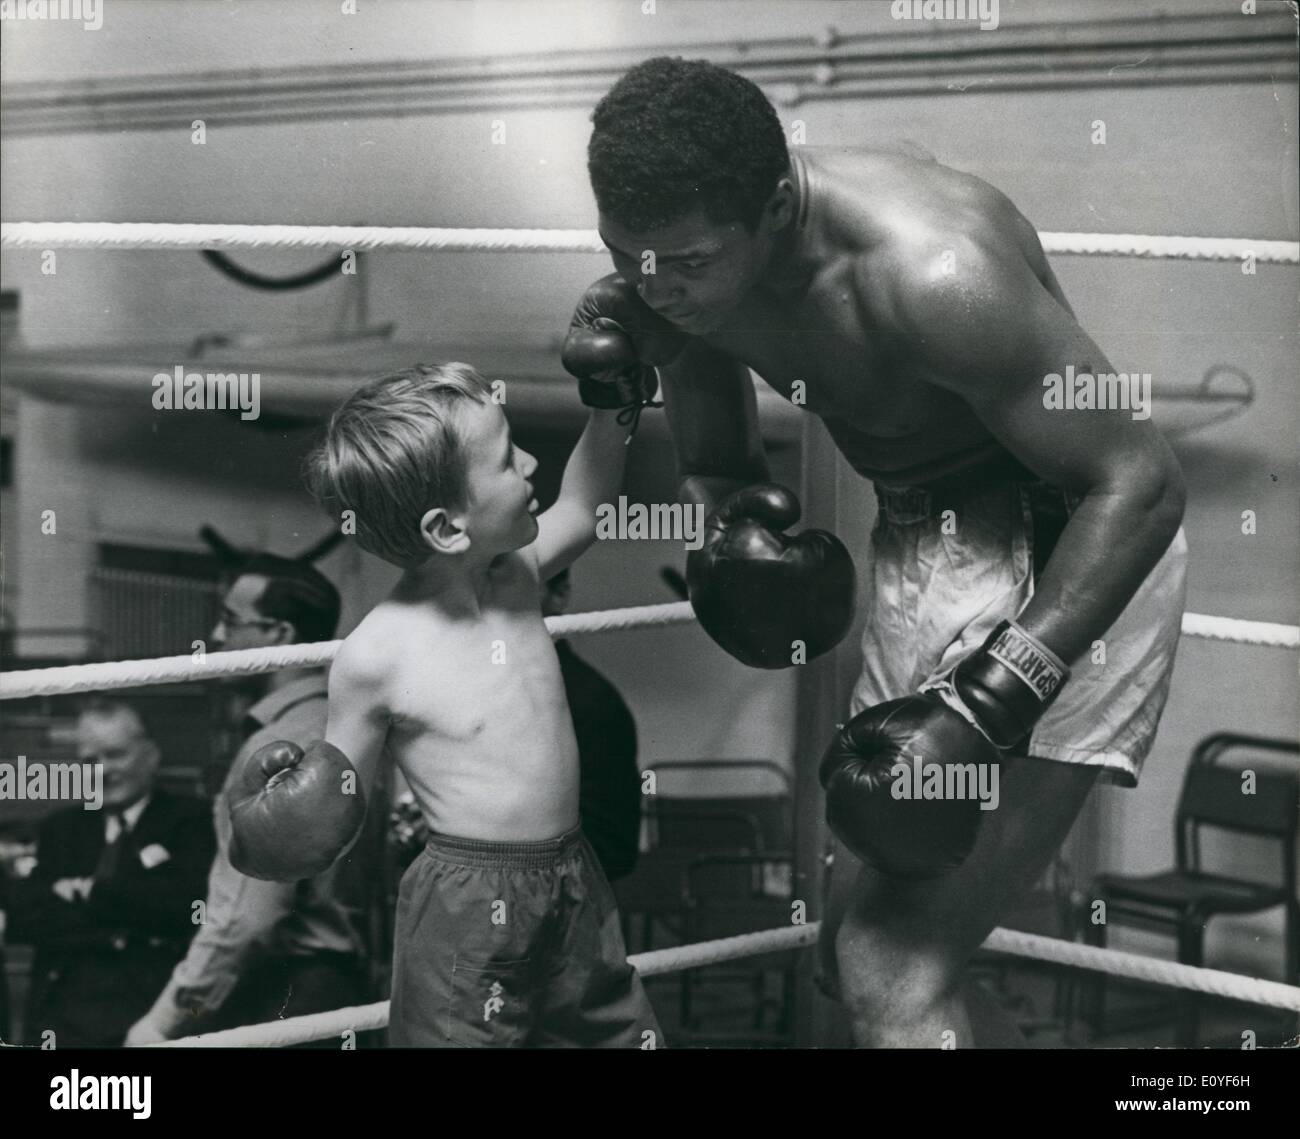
(111, 855)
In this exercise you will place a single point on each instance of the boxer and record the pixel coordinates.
(1027, 582)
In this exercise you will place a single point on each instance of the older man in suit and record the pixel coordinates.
(109, 902)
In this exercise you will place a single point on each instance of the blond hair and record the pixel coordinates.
(392, 451)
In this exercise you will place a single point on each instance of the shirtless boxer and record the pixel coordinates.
(506, 931)
(1027, 576)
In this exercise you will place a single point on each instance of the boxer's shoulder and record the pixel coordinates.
(359, 661)
(894, 213)
(938, 278)
(369, 654)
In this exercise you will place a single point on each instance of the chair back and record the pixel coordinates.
(682, 825)
(1239, 796)
(747, 805)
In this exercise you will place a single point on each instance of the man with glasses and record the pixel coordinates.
(269, 949)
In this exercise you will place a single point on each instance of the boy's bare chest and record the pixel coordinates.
(501, 675)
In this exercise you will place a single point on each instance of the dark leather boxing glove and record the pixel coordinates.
(293, 812)
(869, 780)
(991, 702)
(756, 591)
(615, 342)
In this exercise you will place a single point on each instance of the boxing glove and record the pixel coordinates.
(614, 344)
(911, 837)
(991, 702)
(293, 812)
(757, 591)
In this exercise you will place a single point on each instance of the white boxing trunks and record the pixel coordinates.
(949, 563)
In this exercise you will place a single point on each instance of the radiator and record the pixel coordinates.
(151, 614)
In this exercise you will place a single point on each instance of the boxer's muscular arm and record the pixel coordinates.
(990, 332)
(713, 416)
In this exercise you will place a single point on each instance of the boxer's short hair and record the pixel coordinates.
(296, 592)
(675, 134)
(393, 451)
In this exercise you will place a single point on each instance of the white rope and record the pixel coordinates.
(611, 620)
(216, 235)
(168, 235)
(1215, 982)
(1266, 633)
(678, 958)
(294, 1030)
(659, 962)
(106, 675)
(1175, 248)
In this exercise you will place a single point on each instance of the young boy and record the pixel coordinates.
(506, 929)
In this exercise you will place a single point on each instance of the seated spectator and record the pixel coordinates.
(109, 900)
(269, 949)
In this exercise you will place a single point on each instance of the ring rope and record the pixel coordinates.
(106, 675)
(659, 962)
(1215, 982)
(217, 235)
(1266, 633)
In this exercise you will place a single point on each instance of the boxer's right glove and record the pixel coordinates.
(293, 812)
(757, 591)
(991, 702)
(615, 342)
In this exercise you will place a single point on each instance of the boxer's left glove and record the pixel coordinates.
(293, 812)
(615, 342)
(756, 590)
(991, 702)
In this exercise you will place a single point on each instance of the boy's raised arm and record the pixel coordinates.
(592, 477)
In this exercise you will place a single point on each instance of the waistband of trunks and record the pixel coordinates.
(515, 855)
(910, 504)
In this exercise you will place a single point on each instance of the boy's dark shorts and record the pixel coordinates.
(513, 944)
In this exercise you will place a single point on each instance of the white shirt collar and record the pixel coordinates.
(130, 817)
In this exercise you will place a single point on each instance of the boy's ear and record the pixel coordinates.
(444, 532)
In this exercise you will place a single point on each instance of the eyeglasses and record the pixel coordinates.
(234, 621)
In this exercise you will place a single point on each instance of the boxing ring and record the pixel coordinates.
(363, 1018)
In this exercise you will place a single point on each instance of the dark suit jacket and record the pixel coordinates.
(610, 797)
(101, 961)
